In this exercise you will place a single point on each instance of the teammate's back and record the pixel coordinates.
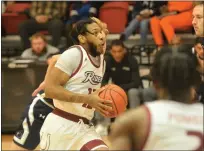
(175, 121)
(175, 125)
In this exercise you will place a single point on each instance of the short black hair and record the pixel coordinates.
(174, 69)
(117, 42)
(80, 28)
(199, 40)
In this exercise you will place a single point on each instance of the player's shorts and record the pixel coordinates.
(65, 131)
(28, 134)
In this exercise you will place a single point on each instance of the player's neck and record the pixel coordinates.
(88, 50)
(162, 95)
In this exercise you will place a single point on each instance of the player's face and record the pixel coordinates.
(96, 38)
(198, 20)
(199, 50)
(38, 45)
(118, 53)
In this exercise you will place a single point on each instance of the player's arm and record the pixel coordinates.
(51, 63)
(128, 130)
(57, 78)
(54, 87)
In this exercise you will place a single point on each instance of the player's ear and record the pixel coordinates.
(82, 39)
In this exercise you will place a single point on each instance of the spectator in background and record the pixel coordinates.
(198, 25)
(3, 5)
(3, 32)
(39, 50)
(123, 70)
(45, 15)
(81, 10)
(199, 52)
(175, 16)
(142, 12)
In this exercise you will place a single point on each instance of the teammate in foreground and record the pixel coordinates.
(77, 74)
(27, 137)
(174, 122)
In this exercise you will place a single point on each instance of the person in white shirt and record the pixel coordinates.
(71, 83)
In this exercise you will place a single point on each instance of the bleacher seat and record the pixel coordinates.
(14, 16)
(115, 14)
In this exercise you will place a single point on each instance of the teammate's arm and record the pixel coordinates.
(128, 131)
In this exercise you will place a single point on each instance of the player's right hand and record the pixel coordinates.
(102, 106)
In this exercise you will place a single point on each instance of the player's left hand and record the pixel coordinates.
(40, 87)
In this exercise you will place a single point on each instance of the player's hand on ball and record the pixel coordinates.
(101, 105)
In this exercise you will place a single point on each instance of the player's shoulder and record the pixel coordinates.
(165, 105)
(133, 116)
(74, 50)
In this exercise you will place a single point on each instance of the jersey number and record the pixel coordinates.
(86, 105)
(199, 135)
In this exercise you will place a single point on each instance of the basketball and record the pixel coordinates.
(118, 96)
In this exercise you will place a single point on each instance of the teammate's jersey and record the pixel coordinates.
(84, 80)
(175, 126)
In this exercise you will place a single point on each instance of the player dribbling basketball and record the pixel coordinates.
(77, 73)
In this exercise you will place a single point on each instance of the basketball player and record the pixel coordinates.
(173, 122)
(77, 73)
(27, 136)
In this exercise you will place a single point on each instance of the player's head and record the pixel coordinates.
(198, 24)
(174, 74)
(117, 50)
(90, 35)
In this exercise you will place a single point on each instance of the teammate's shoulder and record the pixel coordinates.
(134, 115)
(198, 106)
(161, 104)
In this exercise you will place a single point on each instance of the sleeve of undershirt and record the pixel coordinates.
(69, 61)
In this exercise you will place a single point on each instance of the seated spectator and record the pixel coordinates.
(3, 7)
(39, 50)
(123, 70)
(44, 16)
(175, 16)
(142, 12)
(80, 10)
(3, 10)
(199, 51)
(149, 94)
